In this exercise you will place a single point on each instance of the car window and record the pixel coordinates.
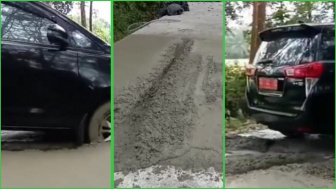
(328, 45)
(79, 40)
(19, 25)
(285, 51)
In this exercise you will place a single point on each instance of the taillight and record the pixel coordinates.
(250, 70)
(309, 70)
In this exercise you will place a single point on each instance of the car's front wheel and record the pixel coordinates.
(99, 126)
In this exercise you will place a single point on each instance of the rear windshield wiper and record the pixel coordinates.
(265, 61)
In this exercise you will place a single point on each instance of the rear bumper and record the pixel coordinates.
(308, 121)
(279, 122)
(302, 122)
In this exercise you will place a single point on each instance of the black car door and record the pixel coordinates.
(39, 82)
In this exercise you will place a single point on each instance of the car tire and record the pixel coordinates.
(99, 126)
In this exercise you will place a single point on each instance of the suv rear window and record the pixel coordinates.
(285, 51)
(328, 45)
(288, 45)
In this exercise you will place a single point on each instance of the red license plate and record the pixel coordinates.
(268, 83)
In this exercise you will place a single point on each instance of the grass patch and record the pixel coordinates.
(241, 125)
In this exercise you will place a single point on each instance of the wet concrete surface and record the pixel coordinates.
(264, 158)
(168, 101)
(38, 159)
(44, 141)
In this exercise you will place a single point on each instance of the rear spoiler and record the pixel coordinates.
(293, 31)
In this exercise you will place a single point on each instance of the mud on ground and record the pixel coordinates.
(280, 162)
(172, 116)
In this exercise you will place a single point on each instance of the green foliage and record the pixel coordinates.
(236, 45)
(283, 13)
(307, 11)
(281, 16)
(63, 7)
(231, 10)
(126, 13)
(100, 27)
(74, 18)
(235, 83)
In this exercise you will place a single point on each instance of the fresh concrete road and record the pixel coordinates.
(266, 159)
(38, 160)
(168, 101)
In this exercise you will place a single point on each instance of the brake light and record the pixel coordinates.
(309, 70)
(250, 70)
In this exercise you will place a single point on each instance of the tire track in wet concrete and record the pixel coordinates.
(308, 156)
(164, 123)
(158, 120)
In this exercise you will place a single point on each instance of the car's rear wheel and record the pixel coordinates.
(99, 127)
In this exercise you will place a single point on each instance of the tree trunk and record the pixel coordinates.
(90, 16)
(253, 31)
(258, 24)
(83, 16)
(261, 20)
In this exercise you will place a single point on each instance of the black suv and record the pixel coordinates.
(291, 83)
(54, 74)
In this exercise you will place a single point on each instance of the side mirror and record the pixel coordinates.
(57, 36)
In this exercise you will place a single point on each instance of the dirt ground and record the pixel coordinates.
(266, 159)
(168, 102)
(39, 160)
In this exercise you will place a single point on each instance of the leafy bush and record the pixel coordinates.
(126, 13)
(235, 83)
